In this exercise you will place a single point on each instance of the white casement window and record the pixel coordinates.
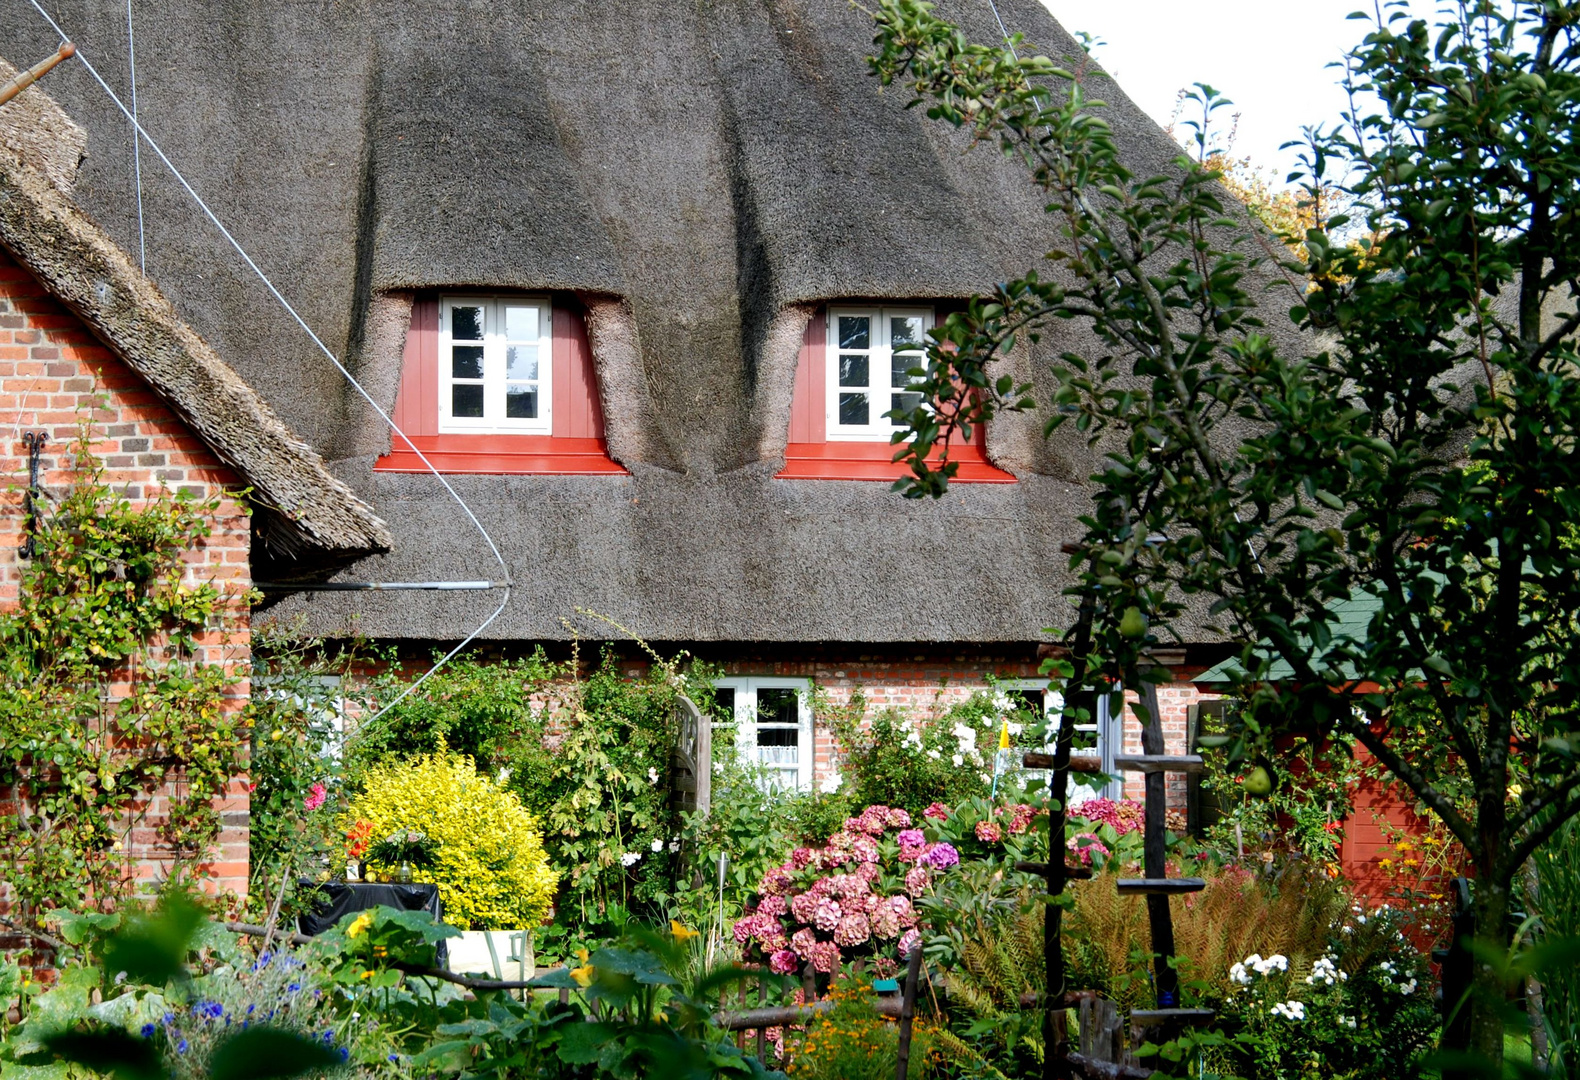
(1098, 737)
(494, 364)
(869, 352)
(770, 721)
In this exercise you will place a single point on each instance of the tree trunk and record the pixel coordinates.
(1483, 1031)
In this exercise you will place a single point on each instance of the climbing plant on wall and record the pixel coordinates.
(107, 697)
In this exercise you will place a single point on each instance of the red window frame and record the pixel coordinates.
(809, 455)
(576, 446)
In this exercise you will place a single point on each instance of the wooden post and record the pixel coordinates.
(25, 79)
(1154, 854)
(913, 969)
(692, 760)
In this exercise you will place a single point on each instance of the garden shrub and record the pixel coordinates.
(850, 1042)
(1556, 902)
(854, 897)
(490, 866)
(909, 762)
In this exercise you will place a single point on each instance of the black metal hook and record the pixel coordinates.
(34, 441)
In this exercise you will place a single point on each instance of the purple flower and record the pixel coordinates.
(941, 857)
(181, 1047)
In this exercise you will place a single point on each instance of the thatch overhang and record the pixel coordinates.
(303, 514)
(701, 177)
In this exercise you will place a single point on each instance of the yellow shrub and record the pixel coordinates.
(490, 866)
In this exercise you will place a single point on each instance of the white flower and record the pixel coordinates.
(966, 734)
(658, 845)
(958, 760)
(1240, 975)
(1016, 729)
(1290, 1010)
(831, 783)
(652, 776)
(1407, 988)
(934, 754)
(1348, 1021)
(674, 845)
(1002, 703)
(987, 778)
(1273, 963)
(630, 858)
(1323, 971)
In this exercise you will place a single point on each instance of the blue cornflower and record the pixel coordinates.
(344, 1053)
(181, 1047)
(395, 1058)
(167, 1019)
(329, 1037)
(148, 1031)
(293, 988)
(250, 1008)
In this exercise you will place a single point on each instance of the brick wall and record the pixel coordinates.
(55, 376)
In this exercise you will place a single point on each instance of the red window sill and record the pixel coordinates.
(536, 455)
(872, 461)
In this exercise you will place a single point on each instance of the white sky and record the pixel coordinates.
(1267, 56)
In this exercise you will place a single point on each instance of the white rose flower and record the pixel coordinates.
(652, 776)
(630, 858)
(958, 760)
(658, 845)
(831, 783)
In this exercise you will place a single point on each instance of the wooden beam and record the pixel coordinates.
(1159, 763)
(1160, 886)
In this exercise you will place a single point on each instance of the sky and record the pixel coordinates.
(1268, 56)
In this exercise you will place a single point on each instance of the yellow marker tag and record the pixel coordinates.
(1003, 736)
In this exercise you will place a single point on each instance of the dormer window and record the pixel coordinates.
(872, 349)
(493, 370)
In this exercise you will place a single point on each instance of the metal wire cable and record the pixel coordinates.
(333, 359)
(137, 144)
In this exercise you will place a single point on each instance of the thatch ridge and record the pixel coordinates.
(97, 281)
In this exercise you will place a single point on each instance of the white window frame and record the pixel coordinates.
(1103, 726)
(880, 354)
(746, 726)
(494, 381)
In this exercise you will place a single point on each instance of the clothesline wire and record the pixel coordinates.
(333, 359)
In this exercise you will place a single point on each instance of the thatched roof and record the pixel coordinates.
(701, 176)
(304, 513)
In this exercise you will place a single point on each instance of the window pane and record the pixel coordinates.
(853, 408)
(521, 323)
(855, 332)
(853, 369)
(905, 331)
(521, 403)
(778, 705)
(466, 323)
(521, 361)
(466, 362)
(466, 401)
(778, 736)
(900, 363)
(905, 402)
(723, 711)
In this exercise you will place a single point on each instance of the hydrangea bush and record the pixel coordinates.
(852, 898)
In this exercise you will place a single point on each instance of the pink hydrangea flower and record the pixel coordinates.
(885, 922)
(803, 941)
(773, 942)
(742, 930)
(801, 858)
(1125, 816)
(825, 957)
(899, 819)
(783, 962)
(874, 820)
(826, 917)
(865, 848)
(822, 887)
(315, 798)
(989, 832)
(1085, 845)
(941, 857)
(870, 872)
(1020, 818)
(903, 911)
(776, 882)
(937, 811)
(849, 886)
(852, 930)
(916, 881)
(911, 838)
(802, 906)
(773, 906)
(911, 939)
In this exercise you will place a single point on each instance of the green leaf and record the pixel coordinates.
(263, 1053)
(581, 1044)
(112, 1051)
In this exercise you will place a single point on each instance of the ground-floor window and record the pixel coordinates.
(1099, 737)
(769, 721)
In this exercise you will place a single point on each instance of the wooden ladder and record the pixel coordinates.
(1157, 886)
